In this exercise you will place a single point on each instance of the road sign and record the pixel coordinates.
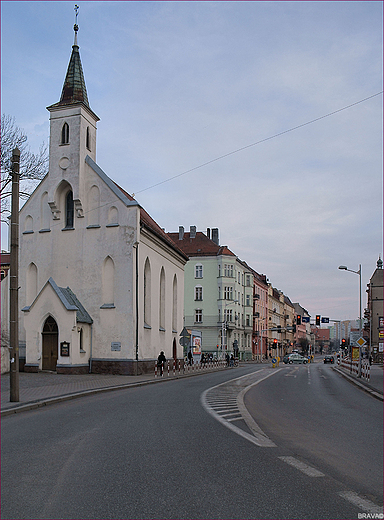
(185, 338)
(324, 320)
(361, 341)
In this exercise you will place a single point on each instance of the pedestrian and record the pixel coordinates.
(190, 357)
(232, 361)
(202, 360)
(227, 359)
(160, 362)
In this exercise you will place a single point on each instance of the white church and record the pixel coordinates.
(101, 284)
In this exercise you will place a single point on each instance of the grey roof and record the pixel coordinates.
(70, 302)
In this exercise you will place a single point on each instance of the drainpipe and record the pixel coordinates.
(90, 356)
(136, 246)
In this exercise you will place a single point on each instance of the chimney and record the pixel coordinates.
(215, 236)
(192, 232)
(181, 232)
(208, 233)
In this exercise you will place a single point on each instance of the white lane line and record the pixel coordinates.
(308, 470)
(365, 505)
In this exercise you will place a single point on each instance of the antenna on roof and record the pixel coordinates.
(76, 27)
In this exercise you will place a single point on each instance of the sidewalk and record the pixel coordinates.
(375, 384)
(36, 390)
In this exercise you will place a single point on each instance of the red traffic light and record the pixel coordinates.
(298, 319)
(318, 319)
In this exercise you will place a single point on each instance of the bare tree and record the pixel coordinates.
(33, 166)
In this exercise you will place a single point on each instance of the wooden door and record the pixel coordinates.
(50, 344)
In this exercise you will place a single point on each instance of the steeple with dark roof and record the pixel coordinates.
(74, 90)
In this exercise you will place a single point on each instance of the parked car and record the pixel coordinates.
(329, 359)
(286, 358)
(297, 358)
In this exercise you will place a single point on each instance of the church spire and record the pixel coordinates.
(74, 90)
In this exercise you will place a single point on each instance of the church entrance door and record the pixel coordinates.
(50, 344)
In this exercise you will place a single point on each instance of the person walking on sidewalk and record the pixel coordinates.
(160, 362)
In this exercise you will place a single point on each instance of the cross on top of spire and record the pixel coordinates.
(76, 27)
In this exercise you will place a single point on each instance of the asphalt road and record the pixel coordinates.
(156, 452)
(314, 412)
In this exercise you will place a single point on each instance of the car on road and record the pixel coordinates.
(296, 358)
(329, 359)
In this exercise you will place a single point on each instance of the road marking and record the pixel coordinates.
(219, 401)
(366, 505)
(308, 470)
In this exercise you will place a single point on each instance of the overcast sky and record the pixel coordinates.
(180, 84)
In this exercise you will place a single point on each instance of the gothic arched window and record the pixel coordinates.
(88, 139)
(65, 134)
(69, 210)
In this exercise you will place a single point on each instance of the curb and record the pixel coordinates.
(33, 405)
(364, 386)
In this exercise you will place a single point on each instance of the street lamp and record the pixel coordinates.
(345, 268)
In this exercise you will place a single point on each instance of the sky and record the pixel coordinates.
(217, 115)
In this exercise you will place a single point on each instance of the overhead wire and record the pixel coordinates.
(257, 142)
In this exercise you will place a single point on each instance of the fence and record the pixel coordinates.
(182, 369)
(353, 367)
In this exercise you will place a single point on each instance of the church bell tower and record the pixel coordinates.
(72, 138)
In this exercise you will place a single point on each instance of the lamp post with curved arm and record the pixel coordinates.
(345, 268)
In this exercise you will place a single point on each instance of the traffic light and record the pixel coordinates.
(274, 342)
(318, 319)
(343, 345)
(298, 319)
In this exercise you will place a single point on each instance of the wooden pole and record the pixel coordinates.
(14, 279)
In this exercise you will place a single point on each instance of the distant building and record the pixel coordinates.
(218, 294)
(375, 313)
(5, 263)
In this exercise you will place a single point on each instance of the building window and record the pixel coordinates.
(69, 210)
(65, 134)
(198, 316)
(88, 139)
(248, 322)
(228, 270)
(248, 300)
(198, 293)
(228, 315)
(147, 293)
(228, 293)
(248, 279)
(198, 271)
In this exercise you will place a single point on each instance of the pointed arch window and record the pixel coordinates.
(147, 294)
(69, 211)
(65, 134)
(162, 301)
(88, 139)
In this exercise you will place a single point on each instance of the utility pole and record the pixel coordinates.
(14, 279)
